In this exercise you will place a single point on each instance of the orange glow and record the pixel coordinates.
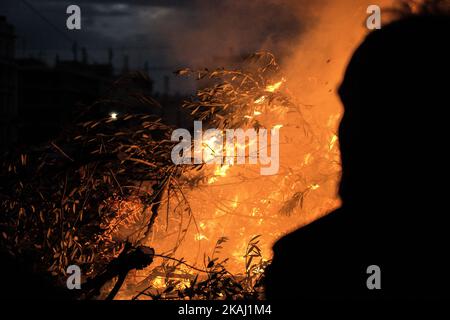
(235, 201)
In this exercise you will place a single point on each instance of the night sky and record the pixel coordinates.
(167, 34)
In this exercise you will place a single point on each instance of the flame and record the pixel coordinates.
(219, 171)
(199, 237)
(274, 87)
(222, 170)
(209, 148)
(307, 158)
(260, 100)
(234, 202)
(212, 180)
(314, 186)
(333, 141)
(158, 282)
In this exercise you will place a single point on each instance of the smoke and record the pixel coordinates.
(313, 39)
(220, 31)
(174, 34)
(321, 54)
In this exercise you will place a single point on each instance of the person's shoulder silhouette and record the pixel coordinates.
(393, 139)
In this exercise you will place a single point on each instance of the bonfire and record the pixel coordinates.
(107, 197)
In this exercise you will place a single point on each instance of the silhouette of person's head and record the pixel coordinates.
(393, 135)
(393, 139)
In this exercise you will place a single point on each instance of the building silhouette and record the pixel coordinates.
(38, 99)
(48, 95)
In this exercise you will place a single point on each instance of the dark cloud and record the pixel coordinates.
(163, 32)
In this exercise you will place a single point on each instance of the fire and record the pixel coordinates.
(212, 180)
(158, 283)
(208, 149)
(314, 186)
(199, 237)
(260, 100)
(274, 87)
(236, 202)
(221, 170)
(307, 158)
(244, 203)
(333, 141)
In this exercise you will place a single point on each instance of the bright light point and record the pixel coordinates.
(212, 180)
(113, 115)
(257, 113)
(222, 170)
(333, 141)
(260, 100)
(199, 237)
(274, 87)
(278, 126)
(314, 186)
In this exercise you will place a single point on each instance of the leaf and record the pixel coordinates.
(183, 72)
